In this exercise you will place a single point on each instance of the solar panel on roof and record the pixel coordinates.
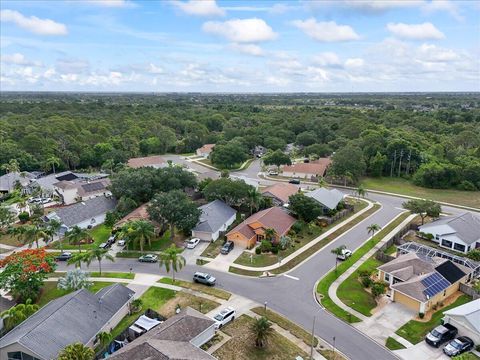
(93, 187)
(434, 284)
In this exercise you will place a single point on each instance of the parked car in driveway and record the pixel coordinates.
(121, 242)
(65, 256)
(227, 247)
(192, 243)
(344, 255)
(458, 346)
(104, 245)
(204, 278)
(441, 334)
(148, 258)
(224, 317)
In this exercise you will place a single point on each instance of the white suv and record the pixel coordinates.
(224, 317)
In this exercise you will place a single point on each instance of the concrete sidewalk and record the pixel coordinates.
(332, 290)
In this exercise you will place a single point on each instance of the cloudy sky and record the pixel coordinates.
(240, 46)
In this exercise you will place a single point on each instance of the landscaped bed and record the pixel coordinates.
(221, 294)
(415, 331)
(242, 344)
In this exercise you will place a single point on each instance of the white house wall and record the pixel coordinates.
(464, 328)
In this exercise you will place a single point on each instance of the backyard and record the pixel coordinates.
(50, 291)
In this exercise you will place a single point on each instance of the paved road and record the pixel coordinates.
(294, 298)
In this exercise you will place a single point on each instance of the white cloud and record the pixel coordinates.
(433, 53)
(200, 8)
(415, 31)
(241, 30)
(18, 59)
(72, 66)
(250, 49)
(380, 5)
(326, 31)
(278, 81)
(153, 69)
(33, 23)
(327, 59)
(112, 3)
(442, 5)
(354, 63)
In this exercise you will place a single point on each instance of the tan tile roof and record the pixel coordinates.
(317, 167)
(139, 213)
(139, 162)
(281, 191)
(273, 217)
(206, 148)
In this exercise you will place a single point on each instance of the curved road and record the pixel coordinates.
(294, 298)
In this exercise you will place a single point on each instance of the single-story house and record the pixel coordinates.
(216, 217)
(140, 213)
(205, 150)
(311, 170)
(329, 199)
(154, 161)
(76, 317)
(179, 337)
(459, 232)
(83, 214)
(46, 183)
(9, 180)
(419, 283)
(252, 229)
(466, 318)
(71, 192)
(280, 192)
(246, 180)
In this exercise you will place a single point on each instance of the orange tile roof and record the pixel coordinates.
(281, 191)
(145, 161)
(317, 167)
(139, 213)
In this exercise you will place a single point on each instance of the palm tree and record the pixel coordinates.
(170, 258)
(373, 228)
(32, 234)
(270, 234)
(322, 182)
(76, 235)
(52, 161)
(261, 329)
(254, 198)
(98, 254)
(76, 351)
(18, 313)
(338, 251)
(77, 259)
(361, 192)
(105, 338)
(139, 231)
(52, 229)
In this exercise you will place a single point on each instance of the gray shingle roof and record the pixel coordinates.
(7, 181)
(76, 317)
(85, 210)
(214, 215)
(466, 226)
(328, 198)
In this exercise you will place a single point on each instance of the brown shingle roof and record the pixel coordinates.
(281, 191)
(146, 161)
(206, 148)
(274, 218)
(139, 213)
(317, 167)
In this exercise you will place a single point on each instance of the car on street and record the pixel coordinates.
(204, 278)
(294, 181)
(441, 334)
(345, 254)
(65, 256)
(151, 258)
(224, 317)
(46, 200)
(458, 346)
(192, 243)
(227, 247)
(273, 173)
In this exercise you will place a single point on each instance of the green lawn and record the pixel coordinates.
(213, 249)
(393, 344)
(117, 275)
(219, 293)
(132, 254)
(50, 292)
(325, 283)
(100, 234)
(466, 356)
(8, 239)
(353, 294)
(158, 244)
(405, 187)
(390, 250)
(415, 331)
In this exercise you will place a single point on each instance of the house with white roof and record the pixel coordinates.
(459, 232)
(466, 318)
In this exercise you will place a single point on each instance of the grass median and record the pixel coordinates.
(221, 294)
(325, 283)
(393, 344)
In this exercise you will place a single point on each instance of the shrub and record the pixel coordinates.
(258, 250)
(366, 281)
(477, 347)
(23, 216)
(266, 246)
(421, 315)
(378, 289)
(467, 186)
(434, 307)
(298, 226)
(74, 280)
(364, 273)
(275, 250)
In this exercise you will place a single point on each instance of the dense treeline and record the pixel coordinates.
(432, 139)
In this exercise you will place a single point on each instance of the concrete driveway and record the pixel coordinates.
(422, 351)
(223, 262)
(191, 255)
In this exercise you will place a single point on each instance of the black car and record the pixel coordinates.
(227, 247)
(441, 334)
(294, 181)
(64, 256)
(458, 346)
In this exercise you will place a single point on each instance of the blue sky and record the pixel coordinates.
(240, 46)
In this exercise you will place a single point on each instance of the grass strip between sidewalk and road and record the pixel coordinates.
(393, 344)
(286, 324)
(312, 250)
(325, 283)
(221, 294)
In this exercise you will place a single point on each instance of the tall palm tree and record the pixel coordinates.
(18, 313)
(373, 228)
(53, 161)
(170, 258)
(139, 231)
(76, 351)
(98, 254)
(105, 338)
(254, 198)
(338, 251)
(361, 192)
(32, 234)
(76, 235)
(52, 229)
(77, 259)
(262, 330)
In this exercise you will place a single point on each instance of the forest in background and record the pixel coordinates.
(431, 139)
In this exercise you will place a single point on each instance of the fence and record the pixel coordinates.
(395, 239)
(469, 291)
